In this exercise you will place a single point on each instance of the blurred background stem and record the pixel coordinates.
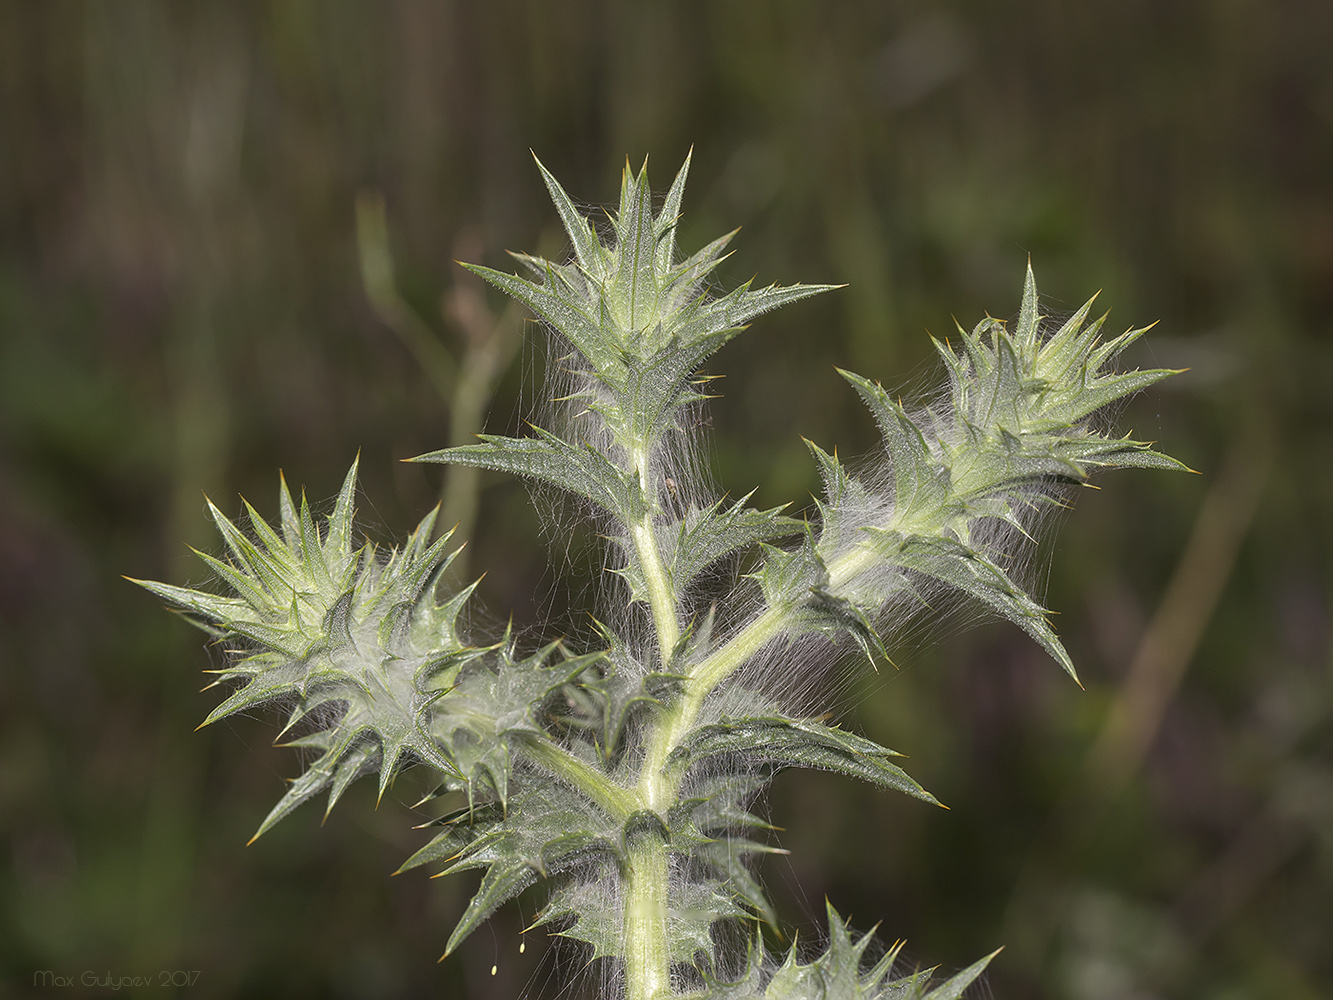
(487, 344)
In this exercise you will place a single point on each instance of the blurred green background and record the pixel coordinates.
(182, 311)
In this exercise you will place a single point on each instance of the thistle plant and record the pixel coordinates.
(620, 773)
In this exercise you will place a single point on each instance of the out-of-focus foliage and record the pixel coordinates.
(182, 310)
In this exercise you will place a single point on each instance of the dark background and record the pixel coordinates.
(181, 310)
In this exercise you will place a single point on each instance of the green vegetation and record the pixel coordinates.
(622, 776)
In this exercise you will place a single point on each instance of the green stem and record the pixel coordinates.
(647, 951)
(647, 955)
(618, 801)
(658, 789)
(661, 592)
(647, 964)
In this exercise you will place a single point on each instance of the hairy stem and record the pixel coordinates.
(660, 790)
(661, 593)
(647, 970)
(706, 677)
(620, 802)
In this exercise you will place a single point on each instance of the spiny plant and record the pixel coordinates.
(622, 776)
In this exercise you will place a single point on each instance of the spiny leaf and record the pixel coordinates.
(642, 323)
(778, 742)
(634, 287)
(502, 882)
(581, 470)
(209, 607)
(685, 279)
(336, 629)
(665, 224)
(920, 481)
(491, 702)
(1015, 431)
(957, 565)
(554, 302)
(709, 826)
(545, 831)
(788, 576)
(587, 248)
(703, 536)
(836, 973)
(1027, 333)
(956, 984)
(727, 856)
(339, 539)
(692, 909)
